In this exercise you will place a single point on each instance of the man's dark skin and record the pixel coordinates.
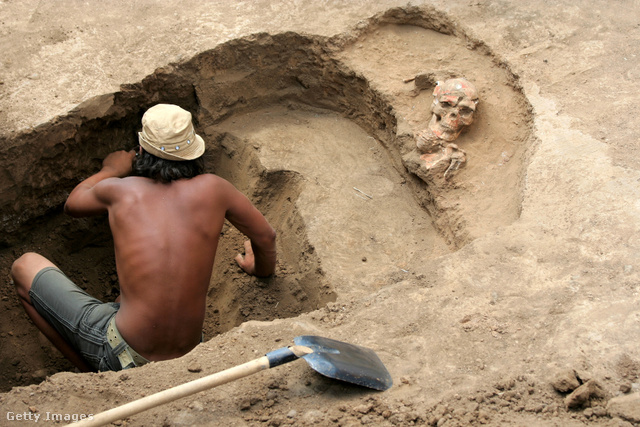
(165, 237)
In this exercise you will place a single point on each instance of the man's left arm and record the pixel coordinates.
(84, 200)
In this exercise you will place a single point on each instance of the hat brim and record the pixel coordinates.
(192, 152)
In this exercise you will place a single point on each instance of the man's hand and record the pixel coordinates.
(119, 163)
(260, 251)
(248, 262)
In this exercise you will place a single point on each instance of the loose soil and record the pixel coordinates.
(504, 295)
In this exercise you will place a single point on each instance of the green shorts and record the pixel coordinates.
(85, 322)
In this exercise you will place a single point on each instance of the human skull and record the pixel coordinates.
(454, 103)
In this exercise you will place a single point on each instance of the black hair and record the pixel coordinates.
(150, 166)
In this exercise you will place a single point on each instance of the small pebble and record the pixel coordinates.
(194, 367)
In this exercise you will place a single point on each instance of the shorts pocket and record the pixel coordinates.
(106, 365)
(91, 359)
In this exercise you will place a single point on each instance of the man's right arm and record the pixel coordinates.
(92, 196)
(260, 252)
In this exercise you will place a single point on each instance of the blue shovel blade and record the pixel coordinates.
(345, 362)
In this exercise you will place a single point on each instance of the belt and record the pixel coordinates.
(126, 355)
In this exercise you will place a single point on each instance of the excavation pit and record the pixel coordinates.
(315, 135)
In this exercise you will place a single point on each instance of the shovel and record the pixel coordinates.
(331, 358)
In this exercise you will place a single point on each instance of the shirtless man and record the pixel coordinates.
(166, 216)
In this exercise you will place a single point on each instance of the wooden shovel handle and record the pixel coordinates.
(175, 393)
(272, 359)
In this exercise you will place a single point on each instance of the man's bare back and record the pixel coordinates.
(165, 237)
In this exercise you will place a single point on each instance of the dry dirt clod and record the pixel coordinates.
(581, 396)
(565, 381)
(625, 407)
(194, 367)
(364, 408)
(245, 404)
(625, 388)
(196, 406)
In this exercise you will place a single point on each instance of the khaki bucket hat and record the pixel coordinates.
(168, 133)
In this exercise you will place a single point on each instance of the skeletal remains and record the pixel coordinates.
(454, 105)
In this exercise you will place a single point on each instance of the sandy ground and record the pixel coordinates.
(507, 295)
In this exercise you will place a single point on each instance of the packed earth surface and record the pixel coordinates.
(504, 293)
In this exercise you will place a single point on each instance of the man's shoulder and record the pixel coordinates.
(209, 176)
(208, 182)
(204, 182)
(208, 179)
(117, 188)
(205, 178)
